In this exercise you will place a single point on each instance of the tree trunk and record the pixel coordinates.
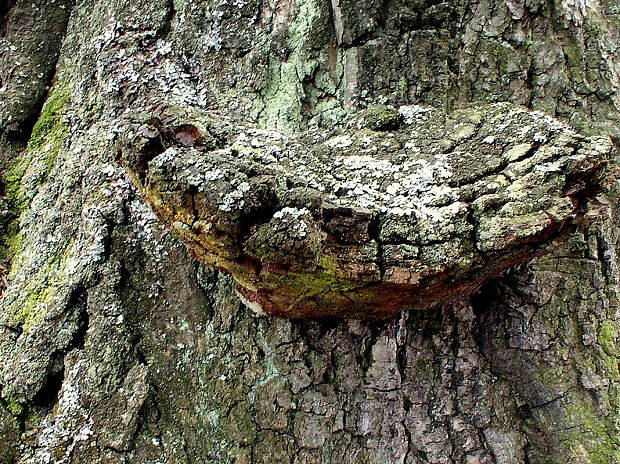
(117, 346)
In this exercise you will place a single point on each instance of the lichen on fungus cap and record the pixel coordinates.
(400, 209)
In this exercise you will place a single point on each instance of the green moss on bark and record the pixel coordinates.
(51, 127)
(33, 165)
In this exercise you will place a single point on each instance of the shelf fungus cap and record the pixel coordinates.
(371, 219)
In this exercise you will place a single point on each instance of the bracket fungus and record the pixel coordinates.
(367, 220)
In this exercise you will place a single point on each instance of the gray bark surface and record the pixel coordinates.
(116, 346)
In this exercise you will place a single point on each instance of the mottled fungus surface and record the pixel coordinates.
(400, 209)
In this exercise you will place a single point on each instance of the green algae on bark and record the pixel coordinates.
(32, 167)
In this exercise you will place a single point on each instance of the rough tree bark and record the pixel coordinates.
(117, 346)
